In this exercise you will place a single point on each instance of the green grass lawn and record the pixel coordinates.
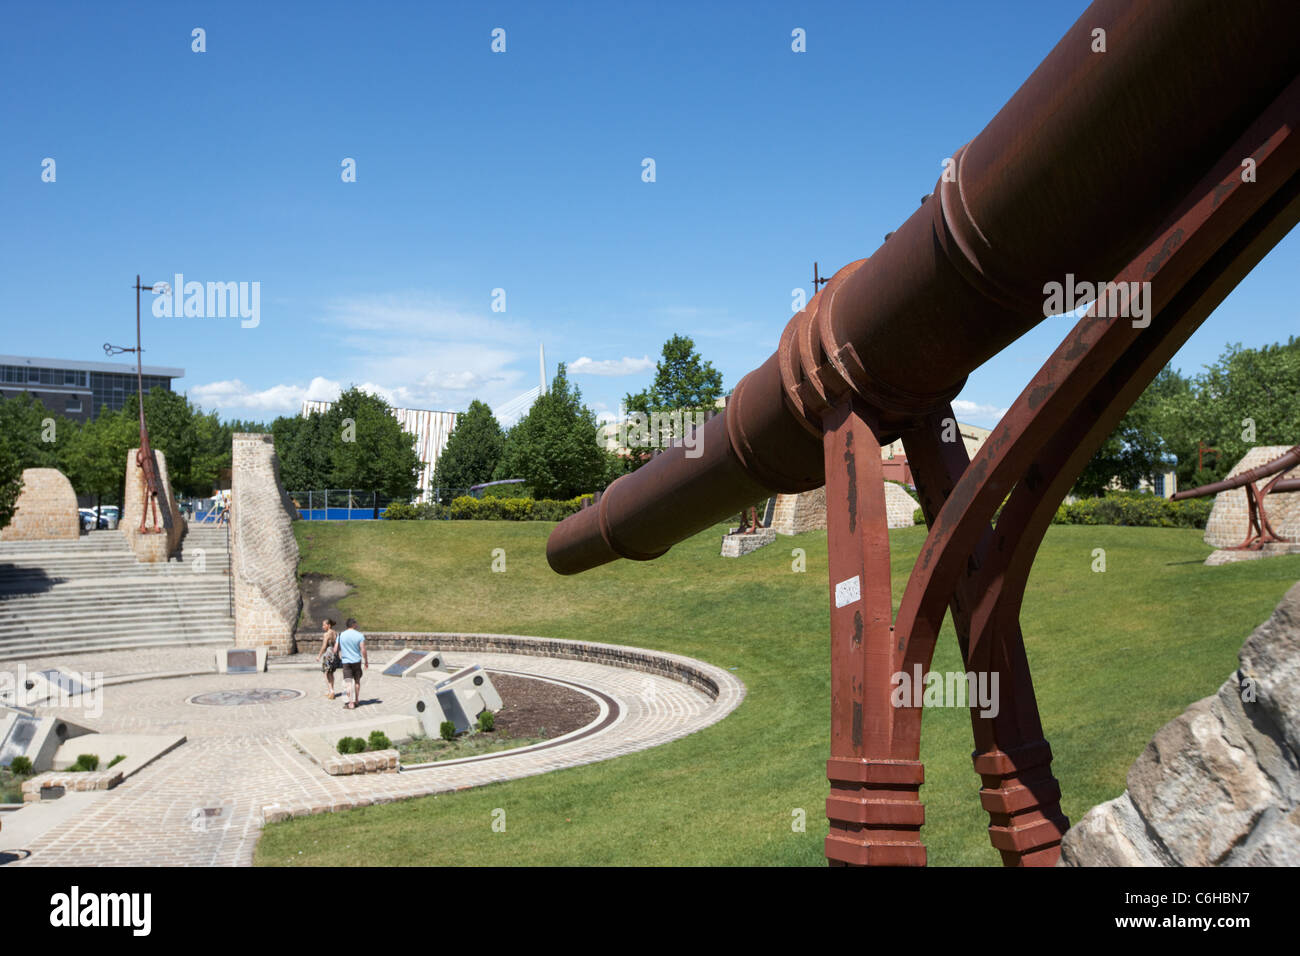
(1114, 656)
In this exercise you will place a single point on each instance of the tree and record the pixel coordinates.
(473, 450)
(95, 457)
(1248, 397)
(197, 446)
(35, 434)
(554, 447)
(303, 447)
(1135, 451)
(683, 383)
(11, 481)
(367, 448)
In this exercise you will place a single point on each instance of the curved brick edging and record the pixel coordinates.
(252, 771)
(703, 677)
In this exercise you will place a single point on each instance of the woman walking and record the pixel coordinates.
(329, 655)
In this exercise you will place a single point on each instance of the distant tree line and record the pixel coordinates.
(1248, 397)
(93, 454)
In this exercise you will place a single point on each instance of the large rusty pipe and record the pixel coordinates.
(1075, 173)
(1283, 462)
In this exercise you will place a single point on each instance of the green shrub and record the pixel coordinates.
(447, 730)
(86, 763)
(401, 511)
(379, 740)
(21, 766)
(496, 508)
(1136, 509)
(116, 760)
(487, 722)
(351, 745)
(918, 516)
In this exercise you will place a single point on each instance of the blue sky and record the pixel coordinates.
(478, 171)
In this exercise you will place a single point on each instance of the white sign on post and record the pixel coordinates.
(848, 591)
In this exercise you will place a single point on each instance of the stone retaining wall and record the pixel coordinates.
(46, 509)
(376, 761)
(70, 782)
(671, 666)
(263, 551)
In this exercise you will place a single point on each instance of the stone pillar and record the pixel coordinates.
(150, 547)
(263, 551)
(46, 509)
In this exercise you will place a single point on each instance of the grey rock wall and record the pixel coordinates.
(1219, 785)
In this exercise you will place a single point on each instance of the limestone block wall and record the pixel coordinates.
(796, 514)
(899, 506)
(1229, 518)
(150, 548)
(263, 552)
(1220, 784)
(46, 509)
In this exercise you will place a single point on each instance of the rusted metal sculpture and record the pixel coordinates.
(1128, 165)
(144, 457)
(1259, 532)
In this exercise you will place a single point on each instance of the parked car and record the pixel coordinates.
(108, 516)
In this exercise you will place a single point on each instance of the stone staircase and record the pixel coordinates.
(60, 597)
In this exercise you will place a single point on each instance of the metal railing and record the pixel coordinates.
(230, 575)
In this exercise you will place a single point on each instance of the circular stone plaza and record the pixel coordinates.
(212, 757)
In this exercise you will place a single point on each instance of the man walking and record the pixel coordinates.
(352, 652)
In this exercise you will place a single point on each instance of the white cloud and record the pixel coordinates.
(977, 413)
(409, 348)
(623, 366)
(285, 399)
(427, 353)
(278, 399)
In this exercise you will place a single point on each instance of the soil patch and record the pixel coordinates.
(539, 709)
(320, 596)
(533, 711)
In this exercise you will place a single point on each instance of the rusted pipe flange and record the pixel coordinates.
(970, 252)
(791, 373)
(602, 518)
(745, 453)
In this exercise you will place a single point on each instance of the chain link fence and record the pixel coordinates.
(341, 504)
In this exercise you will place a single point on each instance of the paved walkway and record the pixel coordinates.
(205, 803)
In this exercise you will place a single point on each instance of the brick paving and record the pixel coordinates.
(204, 804)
